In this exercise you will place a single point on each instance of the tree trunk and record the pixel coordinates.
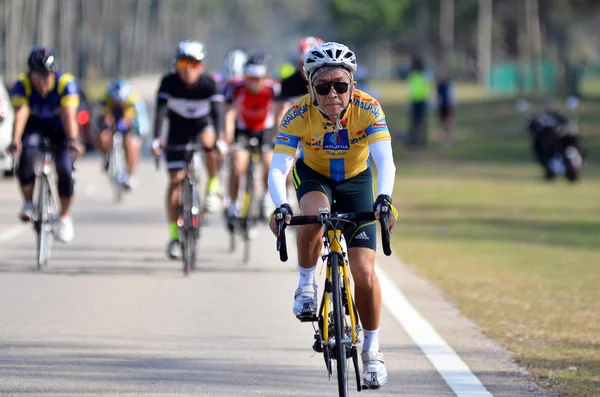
(535, 41)
(484, 41)
(447, 30)
(523, 46)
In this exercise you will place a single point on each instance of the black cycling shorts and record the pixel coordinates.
(182, 133)
(265, 141)
(352, 195)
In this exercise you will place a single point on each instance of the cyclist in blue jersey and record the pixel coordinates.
(46, 101)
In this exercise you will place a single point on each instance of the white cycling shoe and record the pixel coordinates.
(375, 374)
(63, 230)
(305, 301)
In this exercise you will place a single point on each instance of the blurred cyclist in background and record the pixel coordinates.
(118, 114)
(250, 114)
(189, 99)
(233, 68)
(46, 101)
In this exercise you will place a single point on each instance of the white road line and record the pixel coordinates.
(12, 232)
(453, 370)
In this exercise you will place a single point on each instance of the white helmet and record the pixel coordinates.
(190, 50)
(329, 54)
(234, 63)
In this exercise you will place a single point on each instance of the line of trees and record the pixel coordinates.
(110, 37)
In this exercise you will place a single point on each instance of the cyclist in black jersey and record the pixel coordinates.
(189, 99)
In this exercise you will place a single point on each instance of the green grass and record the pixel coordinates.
(519, 255)
(395, 92)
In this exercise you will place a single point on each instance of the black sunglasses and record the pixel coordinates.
(339, 86)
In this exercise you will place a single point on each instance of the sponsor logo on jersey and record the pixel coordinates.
(358, 139)
(339, 141)
(368, 106)
(378, 125)
(295, 112)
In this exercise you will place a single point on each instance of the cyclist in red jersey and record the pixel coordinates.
(250, 113)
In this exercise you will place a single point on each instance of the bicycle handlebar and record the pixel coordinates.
(323, 218)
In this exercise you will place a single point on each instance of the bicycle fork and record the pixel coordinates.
(324, 339)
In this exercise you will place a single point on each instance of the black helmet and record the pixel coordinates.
(43, 60)
(258, 58)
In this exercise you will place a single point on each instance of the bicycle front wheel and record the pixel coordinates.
(43, 223)
(191, 213)
(338, 326)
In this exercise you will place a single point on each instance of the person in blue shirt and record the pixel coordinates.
(46, 101)
(446, 104)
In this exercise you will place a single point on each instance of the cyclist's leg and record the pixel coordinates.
(208, 141)
(63, 161)
(131, 144)
(314, 193)
(175, 166)
(104, 140)
(239, 163)
(356, 195)
(26, 170)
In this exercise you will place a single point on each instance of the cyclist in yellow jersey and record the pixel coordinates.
(119, 113)
(338, 127)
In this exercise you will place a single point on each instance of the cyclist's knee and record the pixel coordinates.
(313, 203)
(26, 166)
(175, 178)
(239, 159)
(362, 263)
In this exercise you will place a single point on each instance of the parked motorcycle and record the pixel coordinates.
(556, 139)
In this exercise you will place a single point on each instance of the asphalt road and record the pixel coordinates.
(111, 315)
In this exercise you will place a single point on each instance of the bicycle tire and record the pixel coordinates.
(43, 226)
(114, 174)
(118, 162)
(338, 326)
(195, 230)
(248, 220)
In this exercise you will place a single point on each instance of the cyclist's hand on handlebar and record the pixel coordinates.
(77, 147)
(286, 211)
(383, 201)
(157, 146)
(14, 148)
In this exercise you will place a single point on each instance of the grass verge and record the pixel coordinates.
(518, 255)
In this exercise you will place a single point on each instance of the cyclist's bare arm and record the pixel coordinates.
(68, 115)
(230, 116)
(21, 117)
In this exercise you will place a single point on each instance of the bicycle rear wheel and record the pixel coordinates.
(338, 326)
(43, 223)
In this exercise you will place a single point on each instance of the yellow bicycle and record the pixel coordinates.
(338, 329)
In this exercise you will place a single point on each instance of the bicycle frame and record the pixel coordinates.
(189, 219)
(246, 217)
(254, 158)
(335, 248)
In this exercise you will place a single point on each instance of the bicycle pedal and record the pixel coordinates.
(365, 387)
(307, 317)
